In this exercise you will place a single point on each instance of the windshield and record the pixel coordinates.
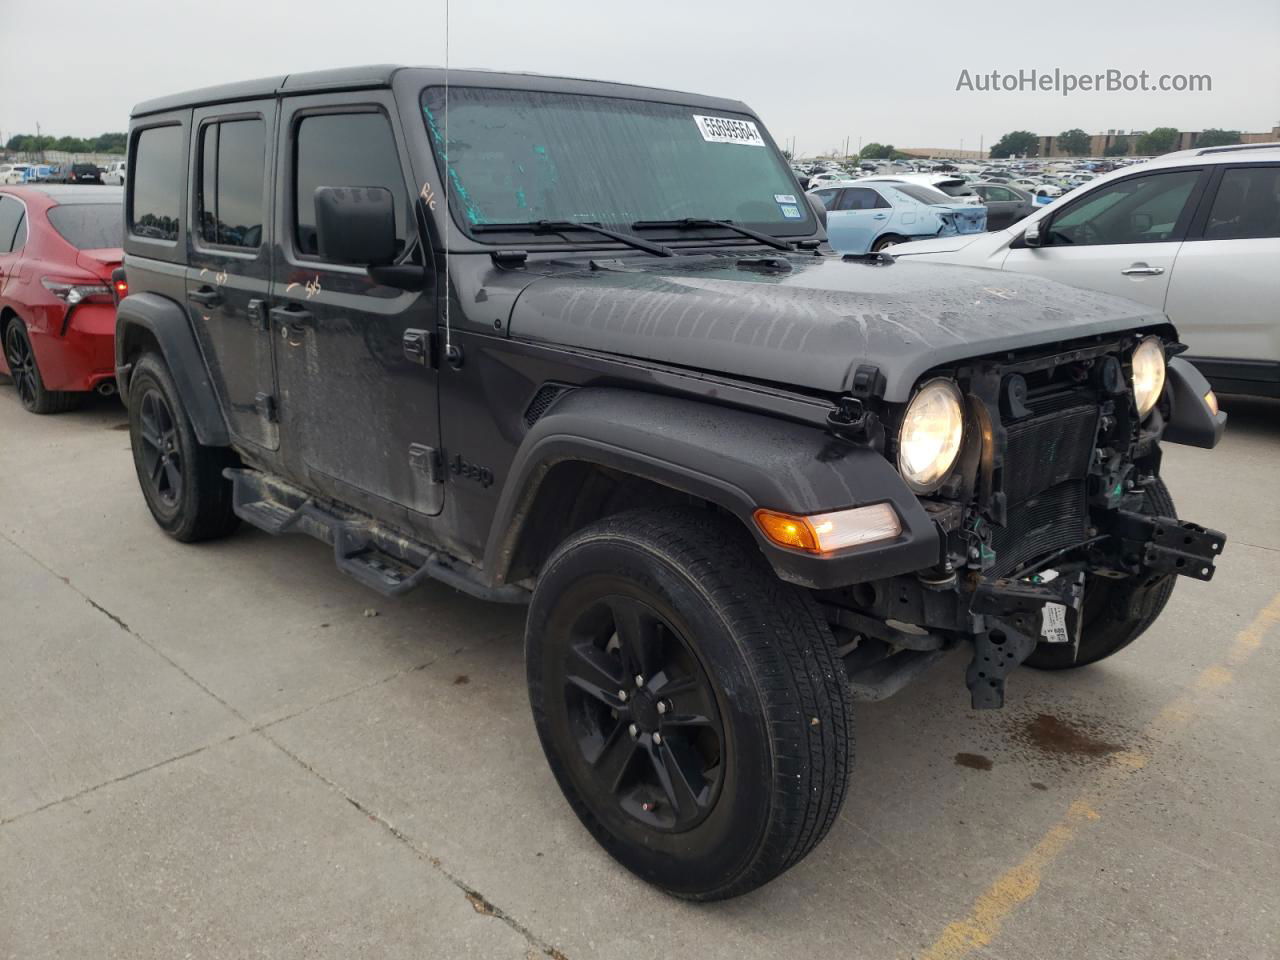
(518, 156)
(89, 226)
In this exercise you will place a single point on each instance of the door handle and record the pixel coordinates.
(880, 216)
(1142, 270)
(206, 295)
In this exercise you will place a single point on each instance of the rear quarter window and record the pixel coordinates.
(155, 203)
(88, 226)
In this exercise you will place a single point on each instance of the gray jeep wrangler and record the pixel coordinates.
(582, 346)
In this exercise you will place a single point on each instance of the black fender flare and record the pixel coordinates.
(168, 324)
(734, 458)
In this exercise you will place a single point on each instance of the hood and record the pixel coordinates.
(935, 245)
(811, 323)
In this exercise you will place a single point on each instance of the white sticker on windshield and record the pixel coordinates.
(728, 130)
(1053, 625)
(784, 198)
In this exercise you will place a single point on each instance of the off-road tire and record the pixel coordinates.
(777, 682)
(200, 508)
(32, 393)
(1109, 622)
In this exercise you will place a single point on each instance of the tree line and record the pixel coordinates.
(1075, 142)
(102, 143)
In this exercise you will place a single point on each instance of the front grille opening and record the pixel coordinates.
(1052, 520)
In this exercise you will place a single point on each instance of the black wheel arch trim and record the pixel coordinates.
(735, 459)
(168, 324)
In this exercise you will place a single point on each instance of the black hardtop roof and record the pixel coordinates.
(381, 75)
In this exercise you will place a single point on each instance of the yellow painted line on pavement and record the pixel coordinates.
(1020, 883)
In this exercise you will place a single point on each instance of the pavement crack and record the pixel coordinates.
(479, 902)
(125, 627)
(120, 779)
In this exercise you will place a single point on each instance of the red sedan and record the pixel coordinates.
(58, 246)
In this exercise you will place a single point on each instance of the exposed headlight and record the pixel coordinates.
(931, 434)
(1148, 374)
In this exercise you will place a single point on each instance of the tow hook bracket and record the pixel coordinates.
(1015, 616)
(1172, 546)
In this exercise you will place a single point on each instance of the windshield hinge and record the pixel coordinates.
(868, 381)
(509, 258)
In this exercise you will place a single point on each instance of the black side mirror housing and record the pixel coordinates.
(356, 225)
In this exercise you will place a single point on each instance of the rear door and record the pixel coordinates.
(1225, 290)
(859, 216)
(1121, 238)
(359, 416)
(229, 268)
(1002, 206)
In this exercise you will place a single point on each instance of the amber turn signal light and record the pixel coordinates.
(826, 532)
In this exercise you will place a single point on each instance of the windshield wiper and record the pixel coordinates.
(698, 223)
(560, 226)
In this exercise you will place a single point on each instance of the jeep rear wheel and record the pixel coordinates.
(1116, 612)
(690, 704)
(180, 478)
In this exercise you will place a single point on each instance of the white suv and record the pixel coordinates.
(114, 172)
(1194, 233)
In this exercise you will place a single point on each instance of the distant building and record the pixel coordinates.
(1099, 142)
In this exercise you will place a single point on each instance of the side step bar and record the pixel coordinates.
(366, 550)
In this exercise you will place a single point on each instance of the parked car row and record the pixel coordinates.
(12, 174)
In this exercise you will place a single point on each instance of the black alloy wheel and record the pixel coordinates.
(22, 364)
(689, 702)
(181, 479)
(644, 715)
(161, 455)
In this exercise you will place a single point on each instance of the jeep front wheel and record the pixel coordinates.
(690, 704)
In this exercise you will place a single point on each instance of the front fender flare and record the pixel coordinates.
(736, 459)
(168, 324)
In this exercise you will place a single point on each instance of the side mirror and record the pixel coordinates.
(819, 209)
(356, 225)
(1031, 237)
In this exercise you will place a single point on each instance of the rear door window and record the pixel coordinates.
(344, 150)
(1247, 205)
(10, 216)
(232, 163)
(155, 203)
(88, 226)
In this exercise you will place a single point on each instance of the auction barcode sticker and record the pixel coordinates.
(1053, 625)
(727, 130)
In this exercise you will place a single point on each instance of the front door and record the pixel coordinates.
(1121, 238)
(229, 271)
(359, 415)
(859, 216)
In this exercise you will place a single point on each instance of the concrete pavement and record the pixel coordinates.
(212, 751)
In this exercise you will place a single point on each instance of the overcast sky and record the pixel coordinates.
(818, 71)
